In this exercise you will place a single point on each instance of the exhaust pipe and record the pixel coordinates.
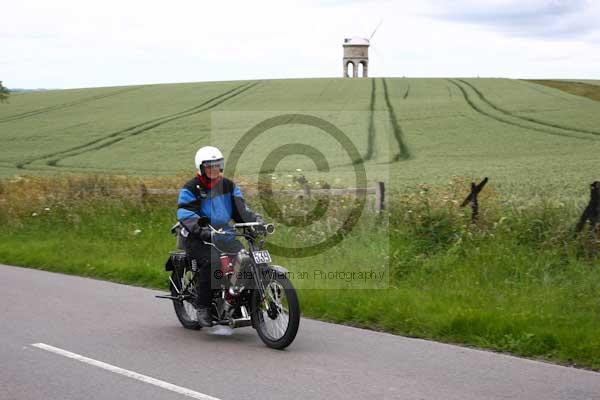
(241, 322)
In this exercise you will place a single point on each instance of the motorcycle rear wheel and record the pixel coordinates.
(277, 317)
(185, 310)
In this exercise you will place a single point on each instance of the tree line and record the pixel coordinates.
(4, 92)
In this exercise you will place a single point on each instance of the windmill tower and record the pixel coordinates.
(356, 54)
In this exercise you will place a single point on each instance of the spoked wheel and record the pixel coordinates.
(277, 316)
(185, 310)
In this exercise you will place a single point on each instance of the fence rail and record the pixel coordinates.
(306, 192)
(378, 190)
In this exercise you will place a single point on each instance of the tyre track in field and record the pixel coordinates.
(137, 129)
(220, 99)
(371, 132)
(104, 169)
(48, 109)
(524, 118)
(407, 92)
(479, 110)
(403, 151)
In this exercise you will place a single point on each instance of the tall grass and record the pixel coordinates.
(518, 281)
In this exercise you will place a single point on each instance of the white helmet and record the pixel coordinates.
(208, 155)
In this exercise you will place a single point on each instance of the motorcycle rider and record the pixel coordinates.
(210, 198)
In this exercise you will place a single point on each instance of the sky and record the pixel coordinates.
(71, 44)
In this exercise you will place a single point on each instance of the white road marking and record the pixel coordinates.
(127, 373)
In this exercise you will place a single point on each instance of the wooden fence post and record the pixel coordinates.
(143, 192)
(305, 187)
(472, 198)
(306, 190)
(592, 211)
(379, 197)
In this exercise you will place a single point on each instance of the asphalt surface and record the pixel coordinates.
(128, 328)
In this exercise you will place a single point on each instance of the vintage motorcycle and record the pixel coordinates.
(248, 290)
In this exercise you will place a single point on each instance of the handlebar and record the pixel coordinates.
(251, 230)
(253, 227)
(269, 228)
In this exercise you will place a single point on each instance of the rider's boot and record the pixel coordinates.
(203, 316)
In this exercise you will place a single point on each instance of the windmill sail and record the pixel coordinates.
(377, 27)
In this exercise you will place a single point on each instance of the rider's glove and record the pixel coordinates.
(259, 219)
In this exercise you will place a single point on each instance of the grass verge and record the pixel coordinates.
(519, 281)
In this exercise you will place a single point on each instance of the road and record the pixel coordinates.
(128, 329)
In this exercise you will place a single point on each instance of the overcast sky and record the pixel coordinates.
(68, 44)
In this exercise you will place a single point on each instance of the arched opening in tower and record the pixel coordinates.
(361, 69)
(350, 69)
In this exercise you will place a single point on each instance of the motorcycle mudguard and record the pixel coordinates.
(279, 269)
(169, 264)
(177, 259)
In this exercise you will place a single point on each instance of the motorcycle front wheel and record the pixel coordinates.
(277, 316)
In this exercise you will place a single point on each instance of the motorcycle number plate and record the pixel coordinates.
(261, 257)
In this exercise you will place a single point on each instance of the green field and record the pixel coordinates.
(528, 138)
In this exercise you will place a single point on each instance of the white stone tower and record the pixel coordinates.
(356, 52)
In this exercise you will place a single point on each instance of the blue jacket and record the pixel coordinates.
(220, 204)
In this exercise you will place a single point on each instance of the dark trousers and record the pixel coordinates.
(207, 259)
